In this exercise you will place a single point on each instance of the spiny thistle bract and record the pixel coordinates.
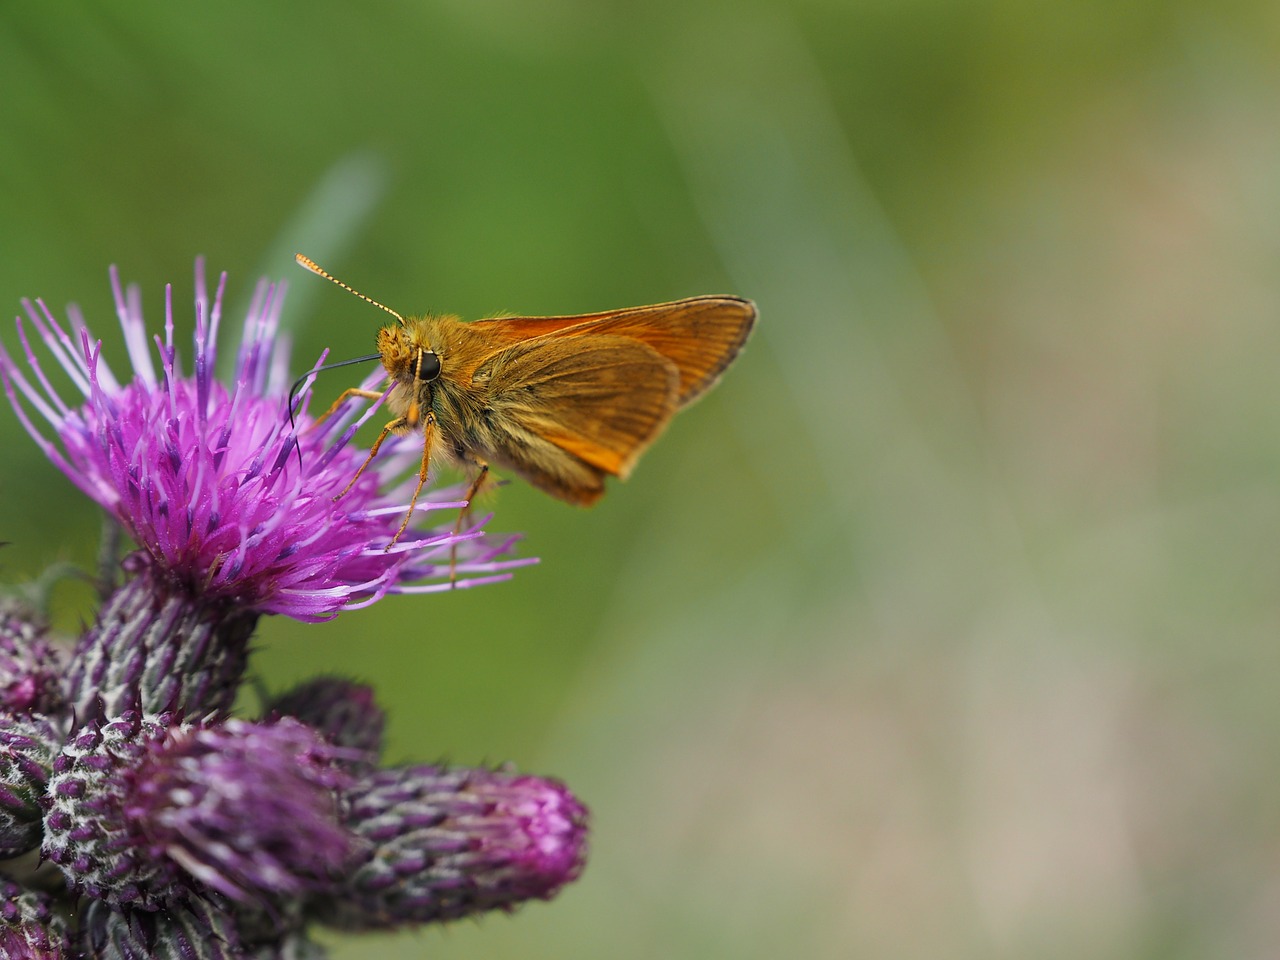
(138, 816)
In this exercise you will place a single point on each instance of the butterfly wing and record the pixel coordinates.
(566, 412)
(700, 335)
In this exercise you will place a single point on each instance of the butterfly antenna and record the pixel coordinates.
(320, 271)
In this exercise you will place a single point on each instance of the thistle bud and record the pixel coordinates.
(344, 711)
(146, 811)
(28, 746)
(29, 929)
(448, 843)
(195, 929)
(31, 668)
(86, 832)
(245, 808)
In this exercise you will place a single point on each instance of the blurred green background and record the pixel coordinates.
(946, 625)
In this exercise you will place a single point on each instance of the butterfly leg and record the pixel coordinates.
(343, 397)
(397, 424)
(482, 473)
(429, 431)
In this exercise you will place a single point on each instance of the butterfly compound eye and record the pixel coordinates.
(428, 366)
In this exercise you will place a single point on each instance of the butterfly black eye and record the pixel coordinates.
(428, 365)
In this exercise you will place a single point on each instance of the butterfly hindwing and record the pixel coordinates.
(568, 411)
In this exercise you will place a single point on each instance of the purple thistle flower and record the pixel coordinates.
(206, 478)
(448, 843)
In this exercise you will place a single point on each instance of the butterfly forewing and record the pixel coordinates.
(700, 335)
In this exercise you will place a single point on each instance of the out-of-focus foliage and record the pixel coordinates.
(946, 625)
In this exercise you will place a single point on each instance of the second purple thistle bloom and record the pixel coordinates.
(206, 478)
